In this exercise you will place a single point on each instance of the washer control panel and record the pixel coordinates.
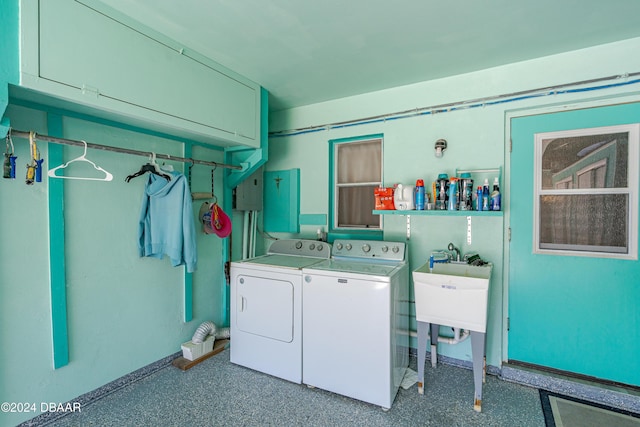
(300, 247)
(374, 249)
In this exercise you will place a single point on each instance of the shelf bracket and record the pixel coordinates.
(468, 230)
(408, 227)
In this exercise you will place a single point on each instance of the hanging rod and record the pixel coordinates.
(55, 140)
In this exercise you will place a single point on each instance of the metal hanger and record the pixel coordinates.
(52, 172)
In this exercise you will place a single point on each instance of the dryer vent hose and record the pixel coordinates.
(206, 328)
(223, 333)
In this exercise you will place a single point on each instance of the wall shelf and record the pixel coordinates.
(438, 213)
(408, 214)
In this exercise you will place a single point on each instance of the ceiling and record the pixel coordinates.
(304, 52)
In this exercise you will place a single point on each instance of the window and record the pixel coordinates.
(356, 165)
(587, 192)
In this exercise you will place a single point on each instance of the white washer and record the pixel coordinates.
(266, 307)
(355, 320)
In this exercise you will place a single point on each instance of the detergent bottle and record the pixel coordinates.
(403, 197)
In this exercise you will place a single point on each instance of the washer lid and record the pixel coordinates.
(350, 266)
(284, 261)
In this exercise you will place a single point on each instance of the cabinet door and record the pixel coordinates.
(85, 49)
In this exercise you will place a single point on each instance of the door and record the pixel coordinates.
(572, 313)
(265, 307)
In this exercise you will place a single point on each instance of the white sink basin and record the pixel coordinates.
(453, 295)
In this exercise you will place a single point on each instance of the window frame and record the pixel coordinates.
(350, 232)
(633, 131)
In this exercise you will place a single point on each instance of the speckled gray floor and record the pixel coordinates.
(218, 393)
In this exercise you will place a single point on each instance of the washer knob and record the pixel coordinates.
(319, 246)
(366, 248)
(385, 249)
(395, 249)
(312, 246)
(348, 247)
(339, 246)
(298, 245)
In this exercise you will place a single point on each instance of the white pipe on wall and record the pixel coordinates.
(245, 235)
(459, 335)
(254, 232)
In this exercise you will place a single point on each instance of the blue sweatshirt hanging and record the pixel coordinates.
(166, 221)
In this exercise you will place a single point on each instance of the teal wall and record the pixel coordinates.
(477, 138)
(123, 312)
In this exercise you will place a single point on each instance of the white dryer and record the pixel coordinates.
(356, 321)
(266, 307)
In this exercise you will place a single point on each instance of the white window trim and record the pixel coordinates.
(632, 190)
(336, 194)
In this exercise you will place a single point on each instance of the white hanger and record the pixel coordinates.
(83, 158)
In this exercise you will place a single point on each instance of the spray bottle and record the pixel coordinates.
(495, 196)
(419, 195)
(485, 195)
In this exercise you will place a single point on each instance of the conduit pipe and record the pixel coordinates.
(245, 236)
(472, 103)
(254, 230)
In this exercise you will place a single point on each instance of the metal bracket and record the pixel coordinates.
(468, 230)
(408, 227)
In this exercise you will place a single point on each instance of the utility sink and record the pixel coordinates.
(453, 294)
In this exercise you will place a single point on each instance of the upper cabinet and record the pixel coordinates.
(86, 54)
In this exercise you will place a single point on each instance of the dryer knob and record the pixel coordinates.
(319, 246)
(338, 246)
(348, 247)
(385, 248)
(298, 245)
(395, 249)
(312, 246)
(366, 248)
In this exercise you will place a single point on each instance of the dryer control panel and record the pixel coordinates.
(300, 247)
(369, 249)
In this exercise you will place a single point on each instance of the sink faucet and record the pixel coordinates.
(452, 248)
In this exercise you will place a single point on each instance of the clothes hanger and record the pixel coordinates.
(152, 167)
(52, 172)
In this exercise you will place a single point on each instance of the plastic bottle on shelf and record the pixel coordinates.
(495, 196)
(465, 184)
(452, 204)
(485, 195)
(441, 193)
(479, 199)
(419, 195)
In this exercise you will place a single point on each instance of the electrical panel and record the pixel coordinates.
(248, 195)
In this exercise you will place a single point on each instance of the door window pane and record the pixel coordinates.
(585, 161)
(587, 192)
(585, 222)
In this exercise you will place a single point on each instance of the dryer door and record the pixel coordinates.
(264, 307)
